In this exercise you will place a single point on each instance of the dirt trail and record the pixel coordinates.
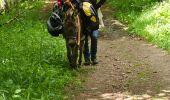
(129, 68)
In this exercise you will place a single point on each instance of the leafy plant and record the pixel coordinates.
(33, 65)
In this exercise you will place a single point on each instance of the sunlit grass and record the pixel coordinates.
(151, 21)
(154, 24)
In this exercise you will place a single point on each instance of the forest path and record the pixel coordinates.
(129, 68)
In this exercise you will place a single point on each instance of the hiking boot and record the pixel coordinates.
(94, 61)
(87, 61)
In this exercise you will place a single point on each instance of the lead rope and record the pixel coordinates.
(79, 30)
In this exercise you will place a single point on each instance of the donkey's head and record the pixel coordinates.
(70, 26)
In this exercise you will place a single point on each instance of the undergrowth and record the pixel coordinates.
(33, 65)
(146, 18)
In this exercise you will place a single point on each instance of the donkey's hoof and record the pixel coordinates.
(79, 65)
(73, 66)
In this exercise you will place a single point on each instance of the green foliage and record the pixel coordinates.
(33, 65)
(146, 18)
(154, 25)
(128, 10)
(131, 4)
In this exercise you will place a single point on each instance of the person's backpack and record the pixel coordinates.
(55, 23)
(91, 15)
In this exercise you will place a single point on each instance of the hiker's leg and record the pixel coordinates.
(94, 38)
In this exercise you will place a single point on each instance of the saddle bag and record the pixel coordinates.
(55, 23)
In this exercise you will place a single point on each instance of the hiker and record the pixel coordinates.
(90, 55)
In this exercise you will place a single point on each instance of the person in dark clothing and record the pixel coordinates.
(96, 4)
(90, 55)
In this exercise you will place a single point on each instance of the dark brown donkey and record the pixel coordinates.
(73, 36)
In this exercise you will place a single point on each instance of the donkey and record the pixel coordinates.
(73, 36)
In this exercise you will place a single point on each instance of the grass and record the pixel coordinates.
(33, 65)
(146, 18)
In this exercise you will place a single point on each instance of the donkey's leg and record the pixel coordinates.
(68, 53)
(81, 52)
(75, 55)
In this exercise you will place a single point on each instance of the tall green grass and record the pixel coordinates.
(154, 25)
(146, 18)
(33, 65)
(128, 10)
